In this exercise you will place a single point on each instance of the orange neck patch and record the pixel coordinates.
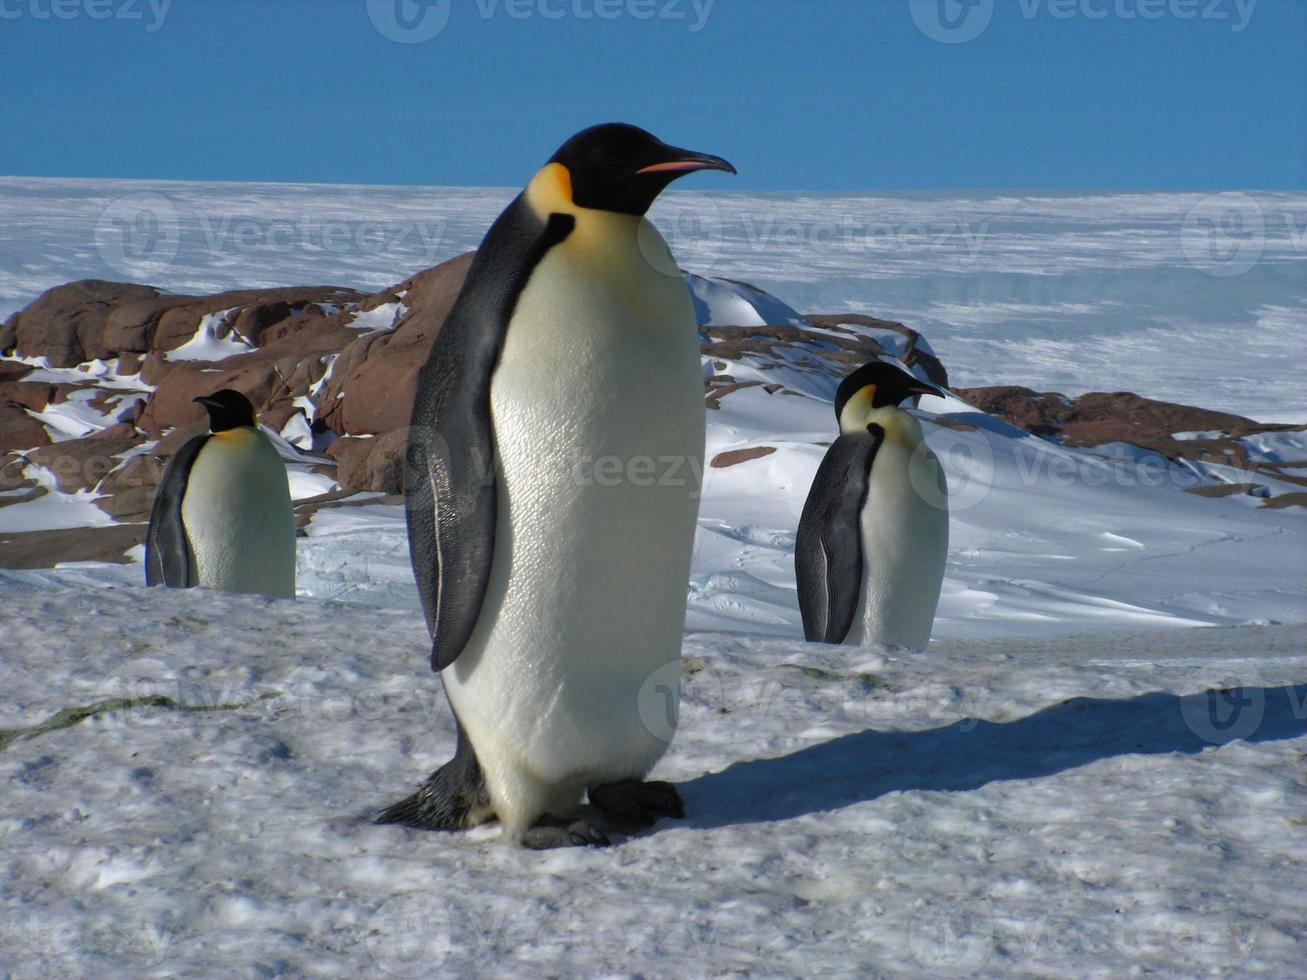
(550, 189)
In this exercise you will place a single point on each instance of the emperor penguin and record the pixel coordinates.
(873, 538)
(551, 480)
(222, 515)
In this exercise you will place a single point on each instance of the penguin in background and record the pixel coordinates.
(553, 598)
(222, 516)
(872, 542)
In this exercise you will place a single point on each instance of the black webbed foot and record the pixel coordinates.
(632, 805)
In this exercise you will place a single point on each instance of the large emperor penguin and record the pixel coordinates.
(222, 515)
(873, 538)
(551, 482)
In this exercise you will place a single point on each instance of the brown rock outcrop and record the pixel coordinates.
(374, 380)
(734, 457)
(18, 430)
(80, 464)
(1101, 417)
(45, 549)
(67, 323)
(375, 464)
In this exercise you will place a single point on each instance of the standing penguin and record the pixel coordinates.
(551, 562)
(873, 537)
(222, 515)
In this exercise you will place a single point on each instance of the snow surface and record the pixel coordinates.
(52, 509)
(206, 345)
(1028, 806)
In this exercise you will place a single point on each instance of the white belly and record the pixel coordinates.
(904, 549)
(598, 415)
(238, 517)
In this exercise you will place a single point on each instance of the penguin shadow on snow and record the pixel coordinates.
(971, 753)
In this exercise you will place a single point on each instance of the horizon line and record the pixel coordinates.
(1102, 189)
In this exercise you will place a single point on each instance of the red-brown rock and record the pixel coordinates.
(734, 457)
(66, 324)
(377, 374)
(370, 463)
(80, 464)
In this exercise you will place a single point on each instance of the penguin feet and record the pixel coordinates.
(550, 832)
(632, 805)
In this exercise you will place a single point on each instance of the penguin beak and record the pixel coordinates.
(206, 400)
(687, 161)
(921, 388)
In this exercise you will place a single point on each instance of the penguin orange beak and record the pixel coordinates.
(688, 163)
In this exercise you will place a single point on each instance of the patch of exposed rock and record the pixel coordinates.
(1099, 418)
(335, 370)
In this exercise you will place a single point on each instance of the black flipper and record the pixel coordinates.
(454, 797)
(449, 466)
(449, 483)
(168, 557)
(828, 548)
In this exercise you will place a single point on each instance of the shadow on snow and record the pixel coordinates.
(971, 753)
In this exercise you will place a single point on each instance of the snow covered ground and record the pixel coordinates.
(1029, 806)
(948, 812)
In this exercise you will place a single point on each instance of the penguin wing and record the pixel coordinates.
(828, 548)
(450, 462)
(168, 557)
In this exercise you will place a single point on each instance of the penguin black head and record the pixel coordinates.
(880, 384)
(618, 167)
(228, 409)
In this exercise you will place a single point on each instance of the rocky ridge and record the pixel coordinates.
(97, 381)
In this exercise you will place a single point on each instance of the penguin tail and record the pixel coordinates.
(453, 798)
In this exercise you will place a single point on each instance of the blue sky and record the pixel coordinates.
(816, 95)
